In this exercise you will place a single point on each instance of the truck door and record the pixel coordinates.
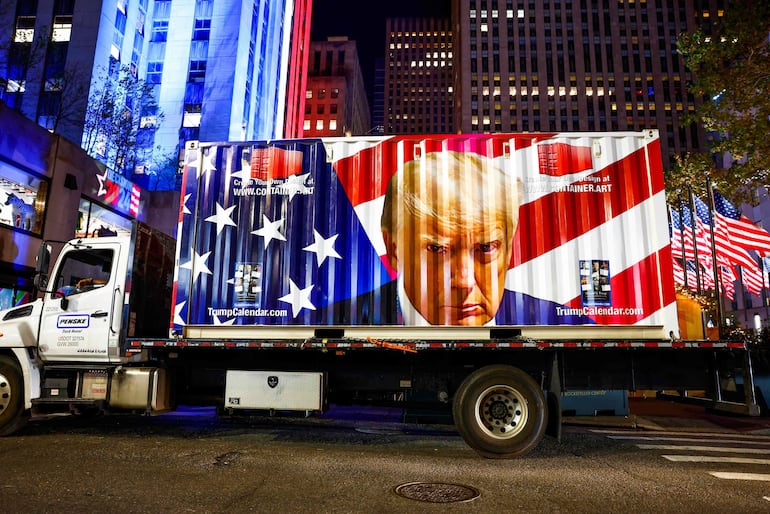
(79, 321)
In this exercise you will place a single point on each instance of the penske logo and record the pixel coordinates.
(73, 321)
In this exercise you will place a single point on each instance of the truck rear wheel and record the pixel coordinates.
(12, 413)
(500, 412)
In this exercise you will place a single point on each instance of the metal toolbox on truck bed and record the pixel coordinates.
(278, 390)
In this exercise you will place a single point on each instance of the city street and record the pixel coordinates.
(190, 461)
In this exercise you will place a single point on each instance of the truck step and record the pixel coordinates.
(66, 401)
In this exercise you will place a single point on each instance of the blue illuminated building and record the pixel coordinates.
(217, 69)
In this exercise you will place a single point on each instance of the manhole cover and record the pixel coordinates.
(436, 492)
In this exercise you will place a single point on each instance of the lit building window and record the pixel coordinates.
(332, 124)
(148, 122)
(62, 29)
(24, 35)
(309, 94)
(306, 125)
(15, 86)
(25, 29)
(191, 120)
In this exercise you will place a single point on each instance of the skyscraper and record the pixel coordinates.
(418, 76)
(576, 65)
(335, 98)
(298, 61)
(214, 70)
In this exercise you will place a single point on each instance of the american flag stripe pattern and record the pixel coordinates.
(727, 253)
(742, 231)
(283, 246)
(733, 246)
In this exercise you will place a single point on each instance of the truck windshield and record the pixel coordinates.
(83, 270)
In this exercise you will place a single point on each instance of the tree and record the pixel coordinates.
(113, 119)
(72, 90)
(730, 61)
(27, 55)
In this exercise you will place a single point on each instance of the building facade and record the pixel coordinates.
(418, 76)
(576, 65)
(176, 70)
(335, 98)
(51, 190)
(297, 70)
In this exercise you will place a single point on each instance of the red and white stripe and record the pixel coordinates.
(557, 228)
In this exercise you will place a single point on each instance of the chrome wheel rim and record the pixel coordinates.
(501, 412)
(5, 393)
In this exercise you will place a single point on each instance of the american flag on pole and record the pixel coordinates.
(283, 232)
(728, 279)
(682, 238)
(752, 280)
(685, 275)
(741, 231)
(730, 254)
(697, 235)
(727, 253)
(765, 272)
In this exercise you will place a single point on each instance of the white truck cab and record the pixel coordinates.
(66, 350)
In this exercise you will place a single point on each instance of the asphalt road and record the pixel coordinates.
(188, 462)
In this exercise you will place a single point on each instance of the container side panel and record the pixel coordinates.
(513, 229)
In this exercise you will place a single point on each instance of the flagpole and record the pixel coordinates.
(681, 240)
(764, 286)
(712, 229)
(693, 225)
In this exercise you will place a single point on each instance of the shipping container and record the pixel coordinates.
(558, 230)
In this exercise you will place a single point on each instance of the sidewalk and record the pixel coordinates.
(663, 414)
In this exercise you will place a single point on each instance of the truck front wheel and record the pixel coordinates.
(500, 412)
(12, 413)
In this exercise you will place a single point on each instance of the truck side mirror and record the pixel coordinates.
(43, 257)
(40, 281)
(43, 260)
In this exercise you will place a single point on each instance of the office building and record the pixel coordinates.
(335, 98)
(297, 70)
(216, 70)
(576, 65)
(418, 76)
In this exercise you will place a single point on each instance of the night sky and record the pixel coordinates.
(364, 23)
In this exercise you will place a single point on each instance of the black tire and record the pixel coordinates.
(12, 414)
(500, 412)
